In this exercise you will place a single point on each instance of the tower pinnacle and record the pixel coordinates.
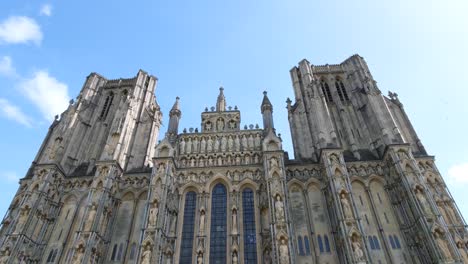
(221, 102)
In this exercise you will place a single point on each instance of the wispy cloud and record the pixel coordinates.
(459, 173)
(6, 67)
(9, 176)
(47, 93)
(13, 112)
(20, 29)
(46, 10)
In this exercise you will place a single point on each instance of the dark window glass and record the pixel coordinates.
(250, 239)
(397, 241)
(376, 243)
(218, 225)
(307, 245)
(132, 251)
(326, 91)
(54, 256)
(49, 258)
(343, 90)
(119, 255)
(107, 105)
(114, 252)
(378, 196)
(338, 89)
(300, 246)
(327, 243)
(392, 243)
(188, 228)
(320, 243)
(360, 200)
(371, 242)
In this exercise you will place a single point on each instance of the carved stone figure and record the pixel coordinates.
(223, 144)
(188, 148)
(279, 209)
(235, 260)
(266, 257)
(216, 145)
(237, 143)
(461, 249)
(202, 145)
(146, 255)
(423, 201)
(230, 144)
(234, 221)
(91, 216)
(208, 126)
(442, 244)
(209, 145)
(284, 252)
(251, 142)
(23, 216)
(5, 256)
(78, 257)
(195, 145)
(273, 163)
(202, 221)
(258, 141)
(346, 206)
(244, 143)
(182, 146)
(200, 258)
(153, 214)
(220, 124)
(357, 250)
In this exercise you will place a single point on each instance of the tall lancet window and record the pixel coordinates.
(250, 240)
(107, 105)
(218, 225)
(186, 248)
(326, 91)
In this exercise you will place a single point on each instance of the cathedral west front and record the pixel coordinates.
(360, 189)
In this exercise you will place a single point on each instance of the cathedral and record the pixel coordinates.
(360, 189)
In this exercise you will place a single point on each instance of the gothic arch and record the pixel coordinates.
(190, 186)
(296, 182)
(248, 183)
(218, 178)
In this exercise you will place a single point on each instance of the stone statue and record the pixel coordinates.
(216, 145)
(209, 145)
(161, 169)
(442, 244)
(202, 145)
(346, 207)
(200, 258)
(23, 216)
(146, 255)
(153, 214)
(423, 201)
(234, 221)
(195, 145)
(244, 143)
(182, 146)
(452, 214)
(235, 260)
(461, 249)
(223, 144)
(202, 221)
(189, 146)
(91, 216)
(258, 141)
(237, 143)
(208, 126)
(284, 252)
(78, 257)
(357, 250)
(232, 124)
(279, 208)
(273, 163)
(5, 256)
(220, 124)
(230, 144)
(251, 142)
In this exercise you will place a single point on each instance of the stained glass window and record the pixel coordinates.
(320, 243)
(188, 228)
(327, 243)
(301, 247)
(218, 225)
(307, 245)
(250, 240)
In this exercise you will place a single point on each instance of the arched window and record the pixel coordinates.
(307, 245)
(392, 243)
(132, 251)
(119, 254)
(320, 243)
(300, 246)
(218, 232)
(250, 239)
(49, 258)
(107, 105)
(327, 244)
(376, 243)
(397, 241)
(338, 89)
(114, 252)
(343, 91)
(371, 242)
(55, 255)
(326, 91)
(188, 228)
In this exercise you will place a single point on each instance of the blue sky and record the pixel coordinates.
(415, 48)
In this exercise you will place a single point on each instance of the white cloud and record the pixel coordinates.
(46, 10)
(20, 29)
(13, 112)
(459, 173)
(10, 176)
(6, 67)
(47, 93)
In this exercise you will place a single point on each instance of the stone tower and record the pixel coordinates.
(361, 188)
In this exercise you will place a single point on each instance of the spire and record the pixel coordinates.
(221, 102)
(174, 117)
(267, 112)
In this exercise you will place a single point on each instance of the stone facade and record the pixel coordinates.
(361, 188)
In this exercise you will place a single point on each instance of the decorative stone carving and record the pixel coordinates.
(266, 256)
(357, 249)
(146, 255)
(237, 143)
(234, 221)
(442, 244)
(223, 144)
(423, 201)
(188, 147)
(91, 216)
(230, 144)
(23, 216)
(235, 259)
(78, 257)
(273, 163)
(279, 209)
(195, 145)
(153, 214)
(209, 145)
(202, 221)
(346, 206)
(220, 124)
(216, 145)
(5, 256)
(284, 251)
(202, 145)
(461, 249)
(244, 143)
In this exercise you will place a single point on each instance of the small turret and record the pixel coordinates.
(267, 112)
(174, 117)
(221, 102)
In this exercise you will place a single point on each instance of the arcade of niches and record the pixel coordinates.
(360, 189)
